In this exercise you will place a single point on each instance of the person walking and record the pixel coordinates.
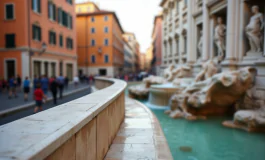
(19, 81)
(66, 82)
(36, 81)
(44, 84)
(39, 97)
(53, 89)
(12, 87)
(76, 81)
(26, 88)
(60, 81)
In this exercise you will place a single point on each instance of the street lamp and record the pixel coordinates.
(31, 53)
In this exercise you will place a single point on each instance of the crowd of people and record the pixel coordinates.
(40, 86)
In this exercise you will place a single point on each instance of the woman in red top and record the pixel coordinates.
(39, 95)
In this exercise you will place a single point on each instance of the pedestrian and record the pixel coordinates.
(53, 89)
(76, 81)
(18, 86)
(36, 81)
(126, 78)
(39, 97)
(44, 84)
(60, 81)
(4, 85)
(66, 82)
(12, 87)
(26, 88)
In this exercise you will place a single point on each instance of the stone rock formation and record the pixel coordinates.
(250, 114)
(141, 91)
(213, 96)
(208, 70)
(172, 73)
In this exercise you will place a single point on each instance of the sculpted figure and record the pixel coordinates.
(208, 70)
(253, 30)
(200, 46)
(219, 38)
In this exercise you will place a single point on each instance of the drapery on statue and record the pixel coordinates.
(254, 30)
(199, 46)
(219, 38)
(208, 70)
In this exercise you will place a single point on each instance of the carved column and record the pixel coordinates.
(232, 34)
(206, 36)
(191, 41)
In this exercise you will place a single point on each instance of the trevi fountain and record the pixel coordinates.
(214, 97)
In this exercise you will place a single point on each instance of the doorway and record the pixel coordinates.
(102, 72)
(69, 71)
(10, 68)
(37, 68)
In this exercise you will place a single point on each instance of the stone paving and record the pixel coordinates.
(15, 102)
(139, 137)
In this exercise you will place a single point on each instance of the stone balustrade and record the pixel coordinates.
(81, 129)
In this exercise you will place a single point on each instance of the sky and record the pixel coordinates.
(135, 16)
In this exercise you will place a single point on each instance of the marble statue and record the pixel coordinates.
(213, 96)
(199, 46)
(219, 38)
(208, 70)
(254, 30)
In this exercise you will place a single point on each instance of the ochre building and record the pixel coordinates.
(37, 37)
(99, 38)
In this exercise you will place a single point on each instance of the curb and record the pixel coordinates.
(7, 112)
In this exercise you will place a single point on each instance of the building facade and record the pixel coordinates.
(37, 37)
(149, 58)
(100, 44)
(157, 45)
(229, 32)
(132, 41)
(142, 62)
(128, 59)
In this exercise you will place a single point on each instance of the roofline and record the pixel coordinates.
(89, 2)
(102, 13)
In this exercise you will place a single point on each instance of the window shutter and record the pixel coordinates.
(39, 6)
(54, 38)
(32, 4)
(54, 12)
(33, 32)
(40, 33)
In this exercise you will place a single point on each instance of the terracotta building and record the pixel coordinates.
(132, 41)
(37, 37)
(100, 43)
(157, 44)
(149, 58)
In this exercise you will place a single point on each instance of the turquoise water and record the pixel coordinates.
(209, 140)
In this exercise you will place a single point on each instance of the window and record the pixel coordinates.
(106, 58)
(9, 11)
(106, 29)
(106, 42)
(70, 23)
(36, 6)
(36, 33)
(93, 30)
(92, 19)
(52, 38)
(10, 41)
(93, 42)
(106, 18)
(69, 1)
(60, 14)
(93, 59)
(61, 40)
(69, 43)
(51, 11)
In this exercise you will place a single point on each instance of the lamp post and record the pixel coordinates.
(31, 53)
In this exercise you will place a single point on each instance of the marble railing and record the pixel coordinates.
(81, 129)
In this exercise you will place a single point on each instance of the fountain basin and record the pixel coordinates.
(160, 95)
